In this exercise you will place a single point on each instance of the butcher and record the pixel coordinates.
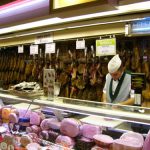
(117, 87)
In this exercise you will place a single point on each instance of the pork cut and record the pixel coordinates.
(103, 140)
(70, 127)
(146, 145)
(89, 131)
(65, 141)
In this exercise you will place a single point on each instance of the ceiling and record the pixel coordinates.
(41, 10)
(3, 2)
(36, 9)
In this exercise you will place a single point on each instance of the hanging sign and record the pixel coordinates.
(20, 49)
(57, 4)
(105, 47)
(80, 44)
(34, 49)
(44, 38)
(50, 48)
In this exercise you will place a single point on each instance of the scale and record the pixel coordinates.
(138, 83)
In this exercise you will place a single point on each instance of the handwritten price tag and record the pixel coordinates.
(20, 49)
(80, 44)
(50, 48)
(34, 49)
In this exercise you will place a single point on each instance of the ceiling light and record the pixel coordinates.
(56, 20)
(30, 25)
(135, 7)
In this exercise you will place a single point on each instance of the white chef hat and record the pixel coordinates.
(114, 64)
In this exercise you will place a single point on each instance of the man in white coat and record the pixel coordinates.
(117, 87)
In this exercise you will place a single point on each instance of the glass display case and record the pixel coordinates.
(114, 120)
(119, 117)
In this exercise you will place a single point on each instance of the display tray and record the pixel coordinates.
(26, 106)
(26, 94)
(101, 121)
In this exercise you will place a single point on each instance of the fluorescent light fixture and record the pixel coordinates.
(56, 20)
(30, 25)
(94, 15)
(135, 6)
(103, 23)
(18, 5)
(142, 29)
(70, 27)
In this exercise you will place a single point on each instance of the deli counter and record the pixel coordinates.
(114, 120)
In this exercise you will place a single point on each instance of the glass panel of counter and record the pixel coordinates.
(107, 110)
(131, 114)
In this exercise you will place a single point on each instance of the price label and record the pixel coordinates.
(80, 44)
(50, 48)
(20, 49)
(33, 49)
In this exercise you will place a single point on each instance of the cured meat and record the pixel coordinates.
(13, 118)
(99, 148)
(5, 113)
(45, 124)
(135, 61)
(44, 135)
(33, 129)
(52, 136)
(145, 68)
(23, 113)
(103, 140)
(22, 65)
(146, 145)
(28, 69)
(65, 141)
(25, 140)
(89, 131)
(126, 144)
(55, 124)
(129, 141)
(33, 146)
(35, 118)
(9, 139)
(133, 135)
(70, 127)
(84, 144)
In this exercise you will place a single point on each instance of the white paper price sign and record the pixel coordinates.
(44, 38)
(33, 49)
(80, 44)
(20, 49)
(50, 48)
(106, 47)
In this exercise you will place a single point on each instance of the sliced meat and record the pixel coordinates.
(103, 140)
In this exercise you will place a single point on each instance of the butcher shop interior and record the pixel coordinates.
(74, 75)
